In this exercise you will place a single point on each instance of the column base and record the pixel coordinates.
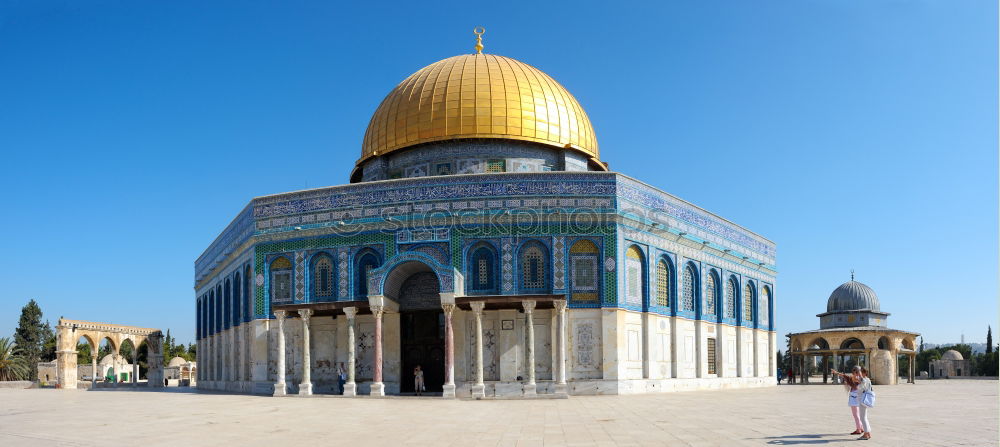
(530, 389)
(478, 391)
(305, 389)
(562, 389)
(448, 391)
(350, 389)
(378, 389)
(280, 389)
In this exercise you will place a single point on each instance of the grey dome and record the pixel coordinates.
(952, 354)
(852, 295)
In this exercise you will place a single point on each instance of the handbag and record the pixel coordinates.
(868, 396)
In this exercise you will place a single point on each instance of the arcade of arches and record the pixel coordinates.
(876, 350)
(68, 332)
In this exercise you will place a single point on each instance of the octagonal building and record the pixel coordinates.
(482, 238)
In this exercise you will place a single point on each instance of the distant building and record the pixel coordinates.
(951, 364)
(852, 332)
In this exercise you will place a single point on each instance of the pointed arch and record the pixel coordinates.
(764, 311)
(322, 278)
(664, 281)
(281, 280)
(533, 267)
(690, 295)
(481, 269)
(712, 292)
(237, 298)
(365, 261)
(748, 308)
(635, 276)
(732, 287)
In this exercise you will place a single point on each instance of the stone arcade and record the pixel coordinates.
(69, 331)
(482, 238)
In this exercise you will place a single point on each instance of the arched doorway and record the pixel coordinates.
(421, 325)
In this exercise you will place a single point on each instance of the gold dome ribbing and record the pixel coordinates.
(478, 96)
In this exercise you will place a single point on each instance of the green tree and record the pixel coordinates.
(989, 339)
(49, 347)
(12, 365)
(30, 336)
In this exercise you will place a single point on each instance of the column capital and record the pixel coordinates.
(560, 305)
(280, 314)
(477, 306)
(351, 312)
(305, 314)
(448, 309)
(529, 305)
(377, 309)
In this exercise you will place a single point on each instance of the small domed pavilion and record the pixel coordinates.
(852, 332)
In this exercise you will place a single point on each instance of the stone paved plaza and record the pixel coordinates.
(930, 413)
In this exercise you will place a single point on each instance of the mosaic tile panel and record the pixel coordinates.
(507, 265)
(558, 263)
(300, 277)
(343, 260)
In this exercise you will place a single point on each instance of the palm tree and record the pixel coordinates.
(12, 365)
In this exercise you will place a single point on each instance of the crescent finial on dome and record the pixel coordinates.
(479, 31)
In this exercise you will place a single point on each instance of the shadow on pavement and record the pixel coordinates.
(804, 439)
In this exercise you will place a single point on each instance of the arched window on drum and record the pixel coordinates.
(281, 280)
(482, 270)
(584, 271)
(322, 278)
(748, 297)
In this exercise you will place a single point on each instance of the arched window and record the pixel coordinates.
(367, 261)
(748, 303)
(281, 280)
(248, 297)
(731, 298)
(533, 268)
(482, 270)
(237, 300)
(635, 278)
(584, 270)
(227, 305)
(765, 304)
(688, 298)
(197, 310)
(218, 308)
(663, 283)
(322, 277)
(711, 293)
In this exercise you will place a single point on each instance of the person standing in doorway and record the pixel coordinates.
(418, 381)
(341, 377)
(851, 383)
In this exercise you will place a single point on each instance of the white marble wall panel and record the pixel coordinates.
(584, 343)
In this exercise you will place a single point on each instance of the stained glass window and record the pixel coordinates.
(323, 277)
(765, 304)
(532, 268)
(584, 270)
(634, 276)
(710, 294)
(281, 280)
(747, 303)
(731, 298)
(662, 284)
(688, 285)
(482, 269)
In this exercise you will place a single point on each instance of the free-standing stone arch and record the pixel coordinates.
(69, 331)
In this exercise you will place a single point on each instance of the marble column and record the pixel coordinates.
(93, 368)
(135, 368)
(350, 388)
(306, 387)
(529, 346)
(279, 385)
(378, 387)
(479, 389)
(560, 306)
(448, 390)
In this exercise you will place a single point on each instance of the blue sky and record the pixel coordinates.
(856, 135)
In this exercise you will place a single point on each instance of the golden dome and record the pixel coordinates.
(478, 96)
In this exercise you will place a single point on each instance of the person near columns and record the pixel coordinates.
(305, 388)
(479, 389)
(350, 388)
(279, 384)
(448, 390)
(529, 346)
